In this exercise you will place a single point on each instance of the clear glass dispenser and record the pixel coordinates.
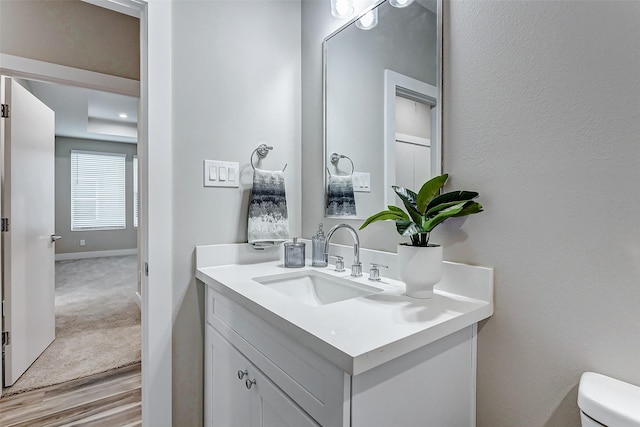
(318, 258)
(294, 254)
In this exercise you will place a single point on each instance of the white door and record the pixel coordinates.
(28, 204)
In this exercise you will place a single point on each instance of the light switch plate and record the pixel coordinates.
(227, 176)
(361, 182)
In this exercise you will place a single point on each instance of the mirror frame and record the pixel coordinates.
(401, 85)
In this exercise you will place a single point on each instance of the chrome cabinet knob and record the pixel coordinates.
(241, 374)
(249, 383)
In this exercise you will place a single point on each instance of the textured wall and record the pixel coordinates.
(542, 117)
(236, 83)
(96, 240)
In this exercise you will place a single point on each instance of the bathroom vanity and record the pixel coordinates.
(309, 346)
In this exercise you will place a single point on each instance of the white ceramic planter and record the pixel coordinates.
(420, 269)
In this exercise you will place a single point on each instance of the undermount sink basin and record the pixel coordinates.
(315, 288)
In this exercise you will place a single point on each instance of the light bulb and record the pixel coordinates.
(123, 115)
(400, 3)
(368, 21)
(341, 8)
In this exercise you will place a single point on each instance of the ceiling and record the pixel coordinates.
(90, 114)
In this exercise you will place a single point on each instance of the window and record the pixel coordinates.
(97, 191)
(135, 191)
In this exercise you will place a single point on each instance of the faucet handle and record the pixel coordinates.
(374, 273)
(339, 263)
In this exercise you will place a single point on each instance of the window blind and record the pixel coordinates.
(135, 191)
(97, 191)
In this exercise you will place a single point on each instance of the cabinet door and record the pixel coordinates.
(273, 408)
(250, 401)
(227, 399)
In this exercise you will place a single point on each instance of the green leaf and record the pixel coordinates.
(453, 196)
(383, 216)
(406, 195)
(414, 214)
(443, 215)
(429, 190)
(434, 210)
(470, 208)
(407, 228)
(399, 210)
(408, 198)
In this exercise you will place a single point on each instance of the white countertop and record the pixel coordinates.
(360, 333)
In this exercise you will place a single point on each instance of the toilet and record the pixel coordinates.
(605, 401)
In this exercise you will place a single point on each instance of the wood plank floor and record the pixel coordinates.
(111, 399)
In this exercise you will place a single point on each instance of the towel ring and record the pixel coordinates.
(335, 158)
(262, 151)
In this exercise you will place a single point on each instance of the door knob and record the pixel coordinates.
(55, 237)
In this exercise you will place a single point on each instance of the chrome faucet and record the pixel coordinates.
(356, 268)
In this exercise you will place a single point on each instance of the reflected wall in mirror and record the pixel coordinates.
(382, 109)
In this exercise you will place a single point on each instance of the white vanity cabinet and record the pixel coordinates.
(433, 385)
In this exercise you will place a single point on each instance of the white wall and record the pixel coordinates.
(542, 117)
(236, 83)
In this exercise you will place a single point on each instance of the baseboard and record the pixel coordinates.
(95, 254)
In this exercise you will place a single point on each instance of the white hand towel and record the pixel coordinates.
(268, 218)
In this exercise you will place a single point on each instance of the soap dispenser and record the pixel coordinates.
(318, 257)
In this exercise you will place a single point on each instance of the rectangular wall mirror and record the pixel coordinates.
(382, 112)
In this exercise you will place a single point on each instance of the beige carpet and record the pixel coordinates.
(97, 323)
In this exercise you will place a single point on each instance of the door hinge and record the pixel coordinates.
(5, 338)
(146, 269)
(5, 224)
(5, 111)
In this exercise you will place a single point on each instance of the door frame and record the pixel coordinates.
(155, 168)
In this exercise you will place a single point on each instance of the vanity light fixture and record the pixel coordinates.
(369, 20)
(342, 9)
(400, 3)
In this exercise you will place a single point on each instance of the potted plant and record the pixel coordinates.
(420, 262)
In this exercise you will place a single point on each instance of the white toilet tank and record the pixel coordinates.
(605, 401)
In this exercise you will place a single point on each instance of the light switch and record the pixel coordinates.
(361, 182)
(221, 174)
